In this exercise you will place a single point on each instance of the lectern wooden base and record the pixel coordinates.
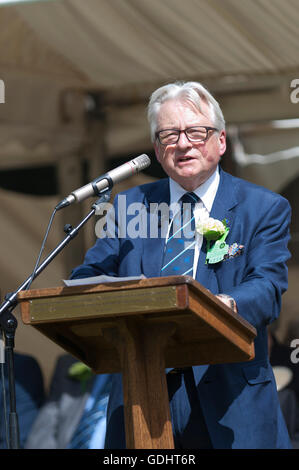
(147, 417)
(139, 328)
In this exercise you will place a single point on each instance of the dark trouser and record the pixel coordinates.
(189, 428)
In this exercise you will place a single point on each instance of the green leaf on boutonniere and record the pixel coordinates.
(214, 231)
(81, 372)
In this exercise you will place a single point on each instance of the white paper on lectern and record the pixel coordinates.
(100, 280)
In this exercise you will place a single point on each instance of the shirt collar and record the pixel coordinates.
(206, 192)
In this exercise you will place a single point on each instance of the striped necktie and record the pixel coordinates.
(179, 247)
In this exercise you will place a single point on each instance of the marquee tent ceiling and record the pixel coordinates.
(121, 42)
(244, 51)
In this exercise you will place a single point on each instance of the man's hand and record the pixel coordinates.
(229, 301)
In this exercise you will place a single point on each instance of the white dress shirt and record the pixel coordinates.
(206, 192)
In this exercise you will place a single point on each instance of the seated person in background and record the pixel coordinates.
(68, 419)
(29, 396)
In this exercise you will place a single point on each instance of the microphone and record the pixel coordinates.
(106, 181)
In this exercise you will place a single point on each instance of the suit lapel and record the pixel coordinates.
(224, 201)
(222, 207)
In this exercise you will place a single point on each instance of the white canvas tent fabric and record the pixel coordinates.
(121, 42)
(266, 155)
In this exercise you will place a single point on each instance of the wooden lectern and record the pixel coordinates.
(140, 328)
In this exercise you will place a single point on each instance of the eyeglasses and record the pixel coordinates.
(193, 134)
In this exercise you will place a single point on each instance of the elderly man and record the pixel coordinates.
(225, 405)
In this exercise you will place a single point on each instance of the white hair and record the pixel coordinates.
(193, 92)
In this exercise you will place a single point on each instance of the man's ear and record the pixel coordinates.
(222, 142)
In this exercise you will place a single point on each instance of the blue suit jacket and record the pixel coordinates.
(239, 401)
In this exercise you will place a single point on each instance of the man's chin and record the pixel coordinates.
(190, 179)
(188, 182)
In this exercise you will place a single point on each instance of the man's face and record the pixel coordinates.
(189, 163)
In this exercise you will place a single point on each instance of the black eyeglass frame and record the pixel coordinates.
(207, 129)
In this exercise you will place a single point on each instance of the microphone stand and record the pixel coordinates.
(8, 322)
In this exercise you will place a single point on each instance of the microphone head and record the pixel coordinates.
(143, 161)
(107, 181)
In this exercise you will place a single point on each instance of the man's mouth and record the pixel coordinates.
(184, 159)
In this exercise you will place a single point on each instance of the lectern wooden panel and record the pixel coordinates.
(139, 328)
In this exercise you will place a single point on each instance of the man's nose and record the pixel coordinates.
(183, 141)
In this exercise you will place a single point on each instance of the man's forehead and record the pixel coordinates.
(168, 110)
